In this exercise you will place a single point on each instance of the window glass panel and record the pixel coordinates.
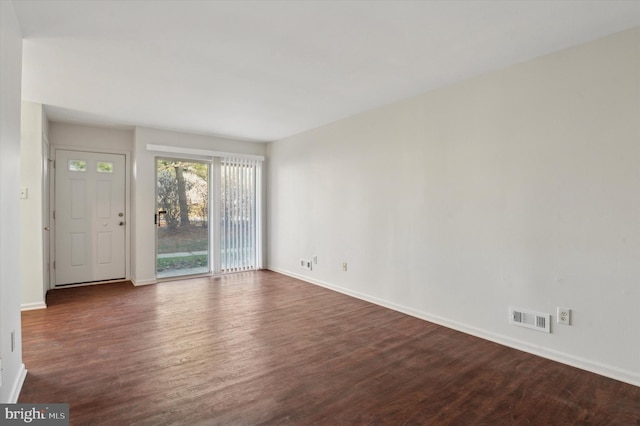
(77, 165)
(105, 167)
(182, 200)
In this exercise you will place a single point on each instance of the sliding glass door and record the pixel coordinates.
(182, 217)
(208, 216)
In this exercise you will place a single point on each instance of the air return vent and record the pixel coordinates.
(530, 319)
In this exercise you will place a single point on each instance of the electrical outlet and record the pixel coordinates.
(344, 266)
(564, 316)
(306, 264)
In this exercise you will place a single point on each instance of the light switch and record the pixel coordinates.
(24, 192)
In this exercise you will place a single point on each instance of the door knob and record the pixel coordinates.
(120, 214)
(46, 228)
(121, 223)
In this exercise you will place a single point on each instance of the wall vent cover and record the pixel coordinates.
(530, 319)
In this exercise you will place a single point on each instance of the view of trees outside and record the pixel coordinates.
(183, 193)
(183, 234)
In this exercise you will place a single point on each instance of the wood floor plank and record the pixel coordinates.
(263, 348)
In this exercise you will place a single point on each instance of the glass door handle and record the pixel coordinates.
(156, 217)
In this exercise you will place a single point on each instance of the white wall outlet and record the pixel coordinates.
(564, 316)
(315, 259)
(344, 266)
(306, 264)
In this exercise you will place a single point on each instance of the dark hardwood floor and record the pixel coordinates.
(263, 348)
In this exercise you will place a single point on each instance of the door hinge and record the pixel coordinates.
(54, 215)
(54, 264)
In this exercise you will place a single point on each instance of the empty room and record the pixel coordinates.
(320, 212)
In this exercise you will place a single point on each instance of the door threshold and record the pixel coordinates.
(116, 280)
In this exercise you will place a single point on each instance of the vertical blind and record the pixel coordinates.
(240, 244)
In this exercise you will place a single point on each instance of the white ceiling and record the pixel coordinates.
(263, 70)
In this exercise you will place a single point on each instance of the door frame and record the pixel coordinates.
(127, 209)
(47, 167)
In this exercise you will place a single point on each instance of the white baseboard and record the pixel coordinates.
(138, 283)
(615, 373)
(17, 385)
(32, 306)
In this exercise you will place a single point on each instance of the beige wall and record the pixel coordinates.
(32, 152)
(90, 137)
(518, 188)
(13, 371)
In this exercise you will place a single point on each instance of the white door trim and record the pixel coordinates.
(47, 169)
(127, 195)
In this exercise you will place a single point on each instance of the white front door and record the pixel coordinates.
(89, 217)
